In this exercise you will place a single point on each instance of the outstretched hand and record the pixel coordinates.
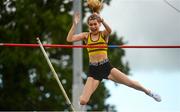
(76, 18)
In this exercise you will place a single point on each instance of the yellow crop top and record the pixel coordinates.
(99, 42)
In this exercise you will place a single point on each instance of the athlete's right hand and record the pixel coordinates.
(76, 18)
(100, 19)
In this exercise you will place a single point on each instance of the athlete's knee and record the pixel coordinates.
(131, 83)
(83, 101)
(134, 84)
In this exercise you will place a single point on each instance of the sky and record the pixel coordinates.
(147, 22)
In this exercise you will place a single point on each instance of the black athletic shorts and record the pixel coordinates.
(100, 70)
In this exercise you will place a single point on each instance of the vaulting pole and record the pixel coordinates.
(55, 75)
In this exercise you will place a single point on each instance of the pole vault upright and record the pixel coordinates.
(77, 84)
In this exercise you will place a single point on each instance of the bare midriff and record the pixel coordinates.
(97, 58)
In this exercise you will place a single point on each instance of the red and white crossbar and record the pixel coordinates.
(87, 46)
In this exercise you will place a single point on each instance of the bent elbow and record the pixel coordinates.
(110, 31)
(68, 40)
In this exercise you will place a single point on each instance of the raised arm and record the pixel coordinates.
(72, 37)
(107, 30)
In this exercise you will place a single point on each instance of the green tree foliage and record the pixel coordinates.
(26, 82)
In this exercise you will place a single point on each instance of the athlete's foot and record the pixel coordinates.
(155, 96)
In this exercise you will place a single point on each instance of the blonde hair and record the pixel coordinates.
(95, 5)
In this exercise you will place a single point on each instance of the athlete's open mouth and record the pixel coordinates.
(93, 29)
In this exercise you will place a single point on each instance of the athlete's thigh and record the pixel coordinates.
(118, 76)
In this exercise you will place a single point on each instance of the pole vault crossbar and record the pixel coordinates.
(87, 46)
